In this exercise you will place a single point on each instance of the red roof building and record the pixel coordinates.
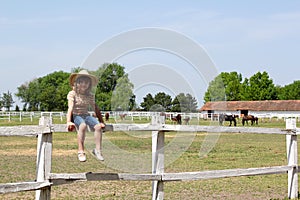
(269, 108)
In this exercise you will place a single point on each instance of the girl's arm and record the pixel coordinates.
(70, 109)
(98, 114)
(69, 114)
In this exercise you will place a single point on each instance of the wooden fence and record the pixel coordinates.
(46, 179)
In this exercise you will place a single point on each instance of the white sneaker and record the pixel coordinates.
(98, 154)
(81, 156)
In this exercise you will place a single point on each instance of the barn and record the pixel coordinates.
(262, 109)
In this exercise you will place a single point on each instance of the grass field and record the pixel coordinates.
(18, 157)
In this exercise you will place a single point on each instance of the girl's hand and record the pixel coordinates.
(102, 125)
(71, 126)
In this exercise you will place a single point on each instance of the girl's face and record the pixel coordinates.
(83, 83)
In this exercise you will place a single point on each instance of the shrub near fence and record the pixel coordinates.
(46, 179)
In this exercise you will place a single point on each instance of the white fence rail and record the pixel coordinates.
(18, 115)
(131, 115)
(46, 179)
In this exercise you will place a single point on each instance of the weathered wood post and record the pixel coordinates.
(158, 140)
(292, 158)
(43, 162)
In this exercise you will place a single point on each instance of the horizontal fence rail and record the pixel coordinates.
(59, 179)
(23, 186)
(33, 130)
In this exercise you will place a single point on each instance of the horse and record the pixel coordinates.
(177, 119)
(187, 120)
(230, 118)
(122, 116)
(107, 116)
(246, 118)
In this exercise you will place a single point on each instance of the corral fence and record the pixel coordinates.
(61, 115)
(16, 115)
(46, 179)
(21, 116)
(139, 115)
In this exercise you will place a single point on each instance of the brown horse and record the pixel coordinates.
(253, 119)
(107, 116)
(187, 120)
(122, 116)
(176, 119)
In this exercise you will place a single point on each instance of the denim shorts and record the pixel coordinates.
(87, 119)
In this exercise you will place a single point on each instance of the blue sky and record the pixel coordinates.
(38, 38)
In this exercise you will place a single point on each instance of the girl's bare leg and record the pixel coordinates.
(81, 137)
(98, 137)
(98, 140)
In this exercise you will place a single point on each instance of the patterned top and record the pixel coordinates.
(81, 103)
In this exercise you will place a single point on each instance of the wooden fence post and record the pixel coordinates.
(43, 163)
(158, 139)
(292, 158)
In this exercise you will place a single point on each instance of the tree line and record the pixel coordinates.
(115, 92)
(230, 86)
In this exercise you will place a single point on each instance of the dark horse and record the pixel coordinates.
(177, 119)
(107, 116)
(246, 118)
(230, 118)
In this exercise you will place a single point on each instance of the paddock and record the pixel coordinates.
(46, 179)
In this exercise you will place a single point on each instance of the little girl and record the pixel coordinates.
(80, 101)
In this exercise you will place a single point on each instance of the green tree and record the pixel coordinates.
(7, 100)
(50, 92)
(122, 96)
(108, 75)
(259, 87)
(53, 97)
(76, 69)
(28, 93)
(23, 95)
(215, 90)
(290, 91)
(148, 102)
(184, 103)
(160, 102)
(114, 91)
(46, 93)
(225, 87)
(1, 102)
(232, 83)
(164, 100)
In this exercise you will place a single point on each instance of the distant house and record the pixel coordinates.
(269, 108)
